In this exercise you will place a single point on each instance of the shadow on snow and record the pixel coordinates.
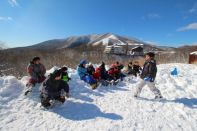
(189, 102)
(83, 111)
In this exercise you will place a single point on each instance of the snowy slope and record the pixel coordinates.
(107, 108)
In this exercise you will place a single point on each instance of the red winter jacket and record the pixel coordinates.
(97, 74)
(36, 71)
(113, 71)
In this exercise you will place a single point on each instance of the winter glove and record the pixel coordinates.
(62, 94)
(45, 94)
(148, 78)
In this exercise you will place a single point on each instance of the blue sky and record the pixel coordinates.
(161, 22)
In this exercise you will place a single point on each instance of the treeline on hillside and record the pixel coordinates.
(15, 61)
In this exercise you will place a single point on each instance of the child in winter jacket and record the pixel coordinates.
(53, 89)
(119, 75)
(136, 68)
(113, 72)
(97, 74)
(104, 73)
(36, 71)
(65, 78)
(83, 74)
(148, 76)
(128, 70)
(119, 65)
(90, 69)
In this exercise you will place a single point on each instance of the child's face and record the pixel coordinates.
(58, 77)
(147, 57)
(37, 62)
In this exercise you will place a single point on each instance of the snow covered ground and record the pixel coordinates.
(107, 108)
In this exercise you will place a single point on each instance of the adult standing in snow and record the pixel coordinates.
(148, 76)
(53, 89)
(36, 71)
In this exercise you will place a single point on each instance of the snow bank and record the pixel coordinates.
(10, 88)
(106, 108)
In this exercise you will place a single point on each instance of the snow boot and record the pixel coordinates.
(135, 96)
(67, 95)
(45, 102)
(62, 99)
(159, 97)
(29, 88)
(94, 86)
(115, 82)
(105, 82)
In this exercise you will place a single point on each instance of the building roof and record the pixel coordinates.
(193, 53)
(137, 47)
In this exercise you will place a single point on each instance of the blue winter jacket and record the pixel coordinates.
(81, 72)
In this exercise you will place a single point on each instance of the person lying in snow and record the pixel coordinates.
(83, 74)
(36, 71)
(53, 89)
(148, 76)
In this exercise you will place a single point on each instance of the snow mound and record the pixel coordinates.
(106, 108)
(10, 88)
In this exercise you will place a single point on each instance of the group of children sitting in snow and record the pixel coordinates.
(99, 75)
(56, 87)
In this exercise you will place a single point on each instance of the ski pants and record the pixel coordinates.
(66, 87)
(151, 86)
(89, 79)
(34, 81)
(45, 101)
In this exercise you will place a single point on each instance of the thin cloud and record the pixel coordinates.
(152, 42)
(5, 18)
(170, 35)
(192, 44)
(194, 8)
(2, 45)
(13, 3)
(192, 26)
(152, 16)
